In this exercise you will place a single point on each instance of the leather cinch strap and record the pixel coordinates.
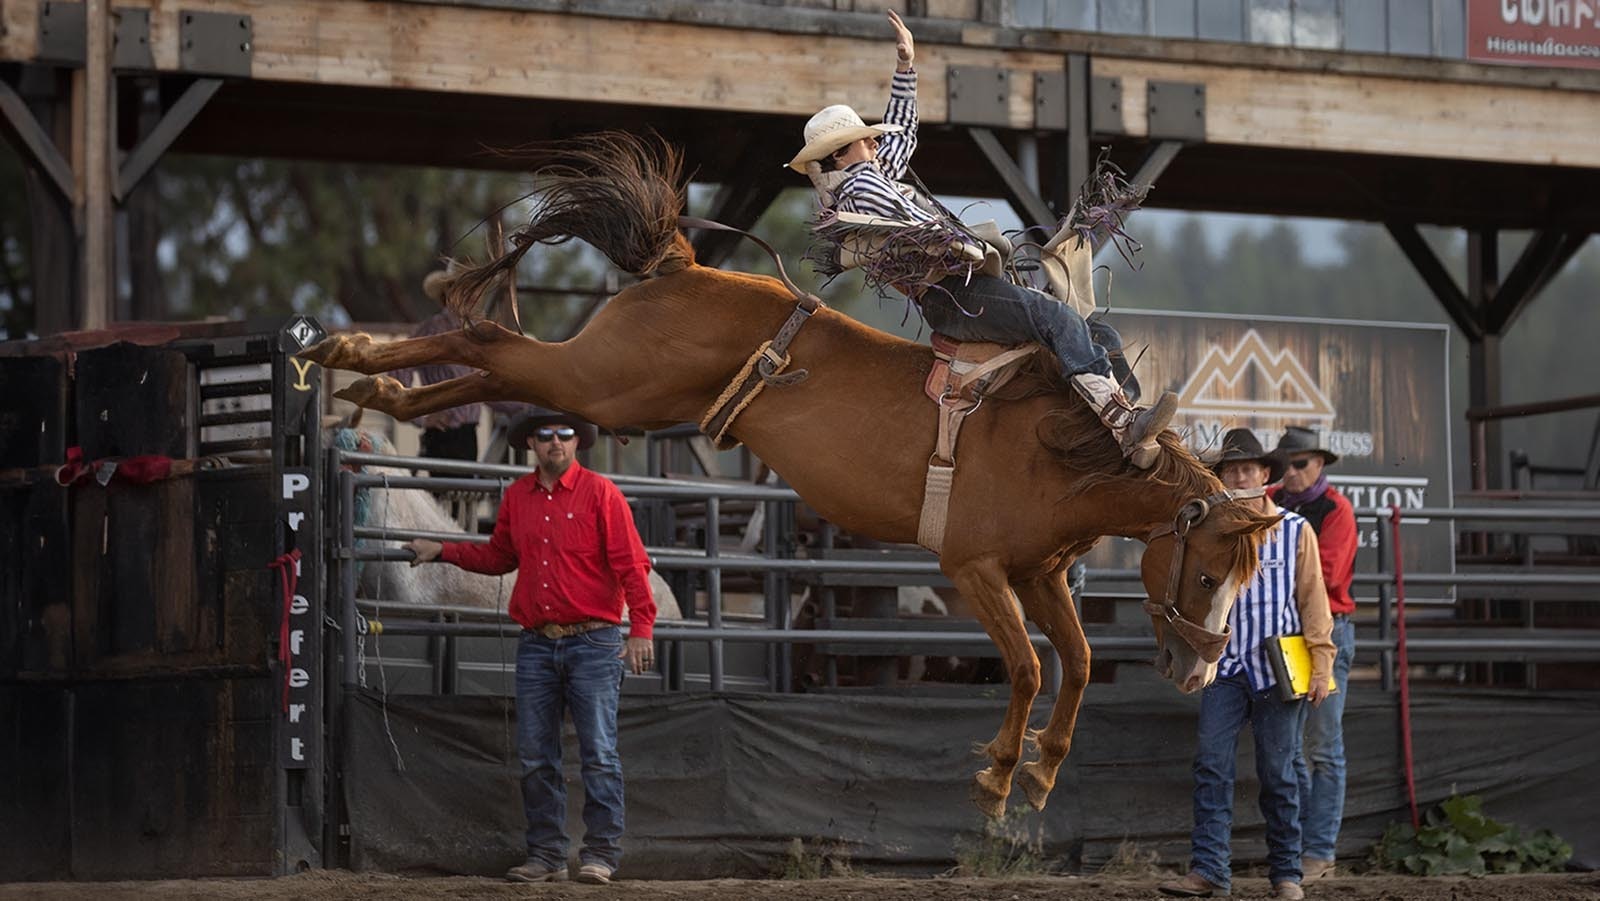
(953, 411)
(766, 366)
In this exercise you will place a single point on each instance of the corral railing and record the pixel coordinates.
(1467, 643)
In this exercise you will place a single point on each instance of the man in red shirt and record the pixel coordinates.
(570, 536)
(1305, 490)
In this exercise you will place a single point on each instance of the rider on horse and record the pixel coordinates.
(856, 169)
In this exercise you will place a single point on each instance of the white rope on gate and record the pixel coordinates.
(377, 643)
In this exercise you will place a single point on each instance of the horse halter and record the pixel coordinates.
(1206, 643)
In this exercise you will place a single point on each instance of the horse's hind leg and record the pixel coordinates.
(984, 584)
(359, 353)
(1048, 603)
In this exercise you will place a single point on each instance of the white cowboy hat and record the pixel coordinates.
(833, 128)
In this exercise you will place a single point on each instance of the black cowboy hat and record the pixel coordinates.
(1242, 444)
(523, 425)
(1298, 439)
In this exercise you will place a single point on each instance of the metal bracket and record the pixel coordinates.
(1105, 106)
(132, 41)
(1050, 101)
(214, 43)
(1176, 110)
(61, 33)
(979, 95)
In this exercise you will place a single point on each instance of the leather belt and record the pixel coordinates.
(567, 630)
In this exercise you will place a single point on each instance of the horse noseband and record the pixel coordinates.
(1206, 643)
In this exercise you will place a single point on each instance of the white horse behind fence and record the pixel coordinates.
(415, 510)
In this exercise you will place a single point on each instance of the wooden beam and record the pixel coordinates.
(1539, 262)
(1371, 114)
(32, 142)
(97, 128)
(1444, 288)
(1295, 101)
(173, 122)
(1024, 200)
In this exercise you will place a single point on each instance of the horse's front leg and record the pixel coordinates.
(386, 395)
(1048, 602)
(360, 353)
(984, 584)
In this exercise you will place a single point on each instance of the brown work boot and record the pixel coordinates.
(1315, 868)
(1135, 428)
(1191, 886)
(1288, 890)
(536, 871)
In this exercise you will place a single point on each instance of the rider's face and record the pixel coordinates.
(856, 151)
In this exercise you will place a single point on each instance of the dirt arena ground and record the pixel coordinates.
(338, 886)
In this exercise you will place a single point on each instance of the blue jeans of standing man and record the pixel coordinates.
(984, 308)
(1321, 769)
(1225, 707)
(581, 674)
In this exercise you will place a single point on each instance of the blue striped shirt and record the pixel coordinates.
(873, 187)
(1267, 607)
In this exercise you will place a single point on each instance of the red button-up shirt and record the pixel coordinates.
(576, 552)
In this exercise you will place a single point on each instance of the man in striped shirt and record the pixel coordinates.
(1285, 597)
(857, 168)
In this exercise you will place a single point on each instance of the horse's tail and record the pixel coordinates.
(617, 191)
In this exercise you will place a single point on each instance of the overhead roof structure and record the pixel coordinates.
(1009, 109)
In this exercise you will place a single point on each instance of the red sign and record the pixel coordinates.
(1535, 32)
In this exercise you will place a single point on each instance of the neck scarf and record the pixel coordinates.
(1293, 501)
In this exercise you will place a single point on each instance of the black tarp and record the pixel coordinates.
(719, 785)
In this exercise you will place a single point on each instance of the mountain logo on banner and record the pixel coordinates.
(1280, 385)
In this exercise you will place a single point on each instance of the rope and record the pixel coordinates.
(288, 568)
(377, 644)
(1405, 670)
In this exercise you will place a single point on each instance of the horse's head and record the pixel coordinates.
(1193, 570)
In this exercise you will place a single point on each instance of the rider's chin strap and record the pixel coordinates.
(1208, 644)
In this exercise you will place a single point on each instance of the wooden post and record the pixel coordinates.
(95, 222)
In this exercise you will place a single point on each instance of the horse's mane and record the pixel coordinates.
(619, 192)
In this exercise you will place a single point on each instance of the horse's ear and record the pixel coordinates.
(1257, 525)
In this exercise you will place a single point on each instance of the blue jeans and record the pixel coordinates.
(581, 674)
(1321, 770)
(1225, 706)
(985, 308)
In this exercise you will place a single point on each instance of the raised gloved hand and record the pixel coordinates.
(826, 183)
(905, 47)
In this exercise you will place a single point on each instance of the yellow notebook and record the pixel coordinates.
(1291, 666)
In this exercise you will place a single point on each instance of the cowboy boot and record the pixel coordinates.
(1134, 428)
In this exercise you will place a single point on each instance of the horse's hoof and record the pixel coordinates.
(369, 392)
(1030, 778)
(339, 351)
(989, 800)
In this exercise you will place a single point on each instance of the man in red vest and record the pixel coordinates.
(1305, 490)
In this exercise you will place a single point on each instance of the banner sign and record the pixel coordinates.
(1535, 32)
(1376, 393)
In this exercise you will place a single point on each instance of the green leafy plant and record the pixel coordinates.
(1458, 839)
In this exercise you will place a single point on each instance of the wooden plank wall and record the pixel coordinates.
(572, 57)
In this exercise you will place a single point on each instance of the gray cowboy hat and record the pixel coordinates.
(1242, 444)
(1298, 439)
(522, 427)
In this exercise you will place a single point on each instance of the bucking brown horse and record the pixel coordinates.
(1038, 480)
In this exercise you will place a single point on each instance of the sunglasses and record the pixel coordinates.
(1301, 463)
(546, 433)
